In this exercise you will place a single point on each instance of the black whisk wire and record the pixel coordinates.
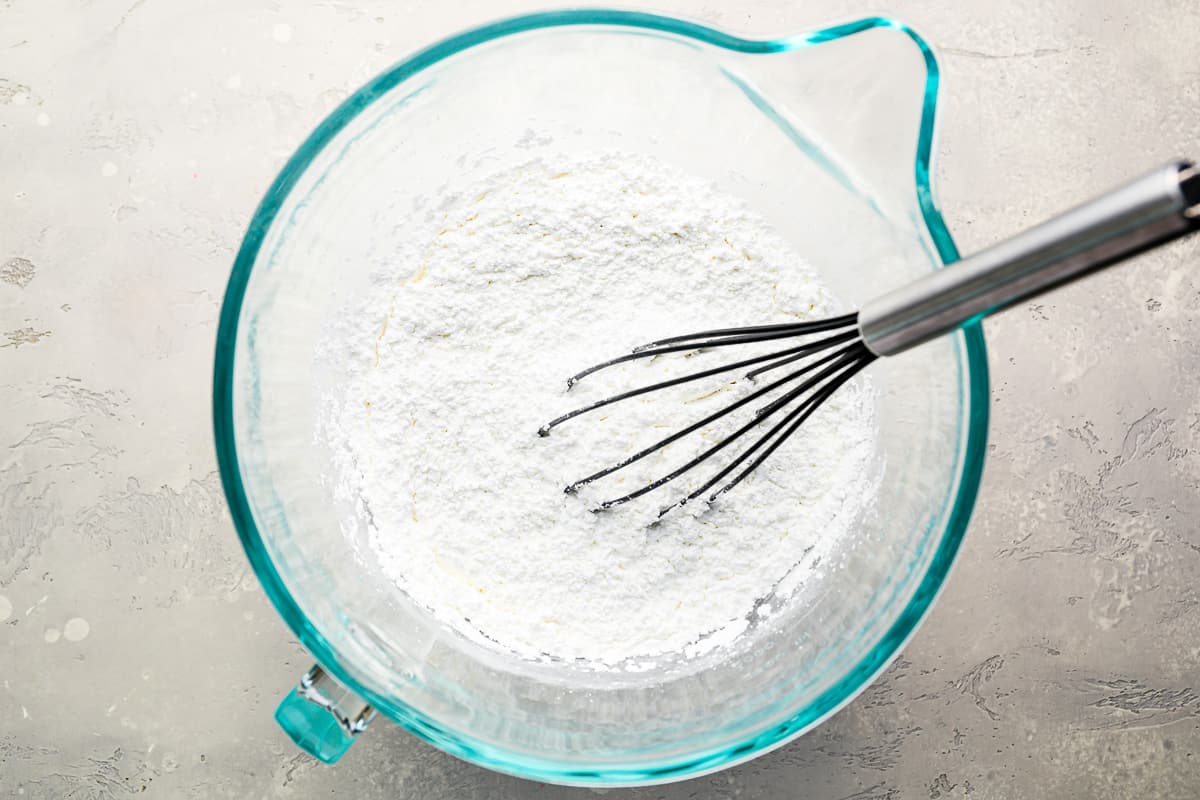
(825, 375)
(786, 328)
(798, 352)
(716, 338)
(796, 418)
(840, 363)
(711, 418)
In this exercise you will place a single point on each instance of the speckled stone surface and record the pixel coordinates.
(137, 652)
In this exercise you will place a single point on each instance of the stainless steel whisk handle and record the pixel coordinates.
(1151, 210)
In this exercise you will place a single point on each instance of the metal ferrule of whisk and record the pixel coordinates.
(818, 357)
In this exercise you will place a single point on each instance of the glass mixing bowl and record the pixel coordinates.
(828, 134)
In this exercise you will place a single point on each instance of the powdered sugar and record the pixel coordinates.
(460, 352)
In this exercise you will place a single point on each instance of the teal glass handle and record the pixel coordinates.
(323, 717)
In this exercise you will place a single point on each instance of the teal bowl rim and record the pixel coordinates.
(486, 754)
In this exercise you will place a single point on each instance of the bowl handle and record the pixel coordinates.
(323, 717)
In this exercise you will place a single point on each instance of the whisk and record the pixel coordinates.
(1156, 208)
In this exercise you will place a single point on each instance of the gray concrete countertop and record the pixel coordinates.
(137, 652)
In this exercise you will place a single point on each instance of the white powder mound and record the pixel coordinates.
(461, 352)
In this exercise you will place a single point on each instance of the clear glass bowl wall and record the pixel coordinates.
(828, 137)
